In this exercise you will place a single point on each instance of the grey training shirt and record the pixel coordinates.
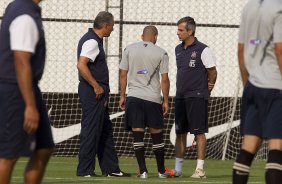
(260, 29)
(144, 62)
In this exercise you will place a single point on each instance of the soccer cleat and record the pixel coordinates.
(118, 174)
(144, 175)
(164, 175)
(173, 172)
(199, 173)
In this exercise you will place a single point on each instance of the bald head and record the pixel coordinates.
(150, 31)
(150, 34)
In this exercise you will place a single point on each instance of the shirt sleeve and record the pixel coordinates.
(124, 64)
(277, 30)
(241, 38)
(90, 49)
(24, 34)
(208, 58)
(164, 64)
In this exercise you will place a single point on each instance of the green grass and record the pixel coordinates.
(61, 170)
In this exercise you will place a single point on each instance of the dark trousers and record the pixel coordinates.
(96, 136)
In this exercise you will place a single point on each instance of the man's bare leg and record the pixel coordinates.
(201, 146)
(180, 149)
(6, 169)
(201, 152)
(35, 168)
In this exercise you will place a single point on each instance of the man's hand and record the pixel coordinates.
(122, 101)
(99, 91)
(31, 119)
(24, 79)
(122, 84)
(165, 108)
(82, 66)
(212, 75)
(210, 86)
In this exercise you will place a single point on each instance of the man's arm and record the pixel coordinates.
(209, 61)
(278, 53)
(122, 84)
(165, 84)
(86, 74)
(212, 75)
(243, 70)
(24, 80)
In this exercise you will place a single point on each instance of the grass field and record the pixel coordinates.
(61, 170)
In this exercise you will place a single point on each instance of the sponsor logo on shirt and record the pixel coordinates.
(142, 72)
(255, 41)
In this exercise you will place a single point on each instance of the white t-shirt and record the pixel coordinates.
(24, 34)
(208, 58)
(90, 49)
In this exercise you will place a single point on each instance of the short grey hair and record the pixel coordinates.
(102, 18)
(190, 23)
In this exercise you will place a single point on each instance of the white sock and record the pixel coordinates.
(178, 164)
(200, 164)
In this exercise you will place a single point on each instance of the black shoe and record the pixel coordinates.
(118, 174)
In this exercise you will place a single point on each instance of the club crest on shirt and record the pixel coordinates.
(192, 62)
(194, 55)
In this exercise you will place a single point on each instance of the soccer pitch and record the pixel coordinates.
(62, 170)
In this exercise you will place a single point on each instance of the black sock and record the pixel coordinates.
(158, 148)
(273, 174)
(241, 167)
(139, 150)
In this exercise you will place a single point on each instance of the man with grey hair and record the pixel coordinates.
(196, 76)
(96, 136)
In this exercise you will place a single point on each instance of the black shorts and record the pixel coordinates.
(142, 113)
(14, 141)
(191, 115)
(261, 112)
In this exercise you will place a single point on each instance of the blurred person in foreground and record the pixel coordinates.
(25, 127)
(260, 61)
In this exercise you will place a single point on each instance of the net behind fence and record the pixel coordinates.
(66, 21)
